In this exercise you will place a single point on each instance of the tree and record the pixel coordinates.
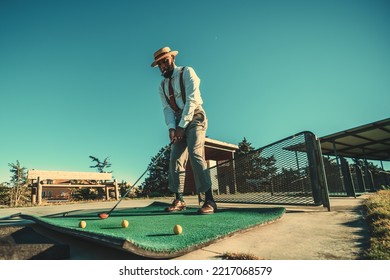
(252, 169)
(244, 147)
(370, 165)
(100, 165)
(86, 194)
(4, 193)
(93, 193)
(245, 161)
(19, 192)
(156, 183)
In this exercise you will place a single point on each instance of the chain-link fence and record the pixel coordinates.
(334, 176)
(382, 179)
(289, 171)
(347, 179)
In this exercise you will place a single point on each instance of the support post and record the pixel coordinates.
(107, 192)
(33, 194)
(360, 179)
(347, 178)
(338, 166)
(116, 189)
(317, 170)
(313, 168)
(39, 191)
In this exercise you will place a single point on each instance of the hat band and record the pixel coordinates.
(160, 55)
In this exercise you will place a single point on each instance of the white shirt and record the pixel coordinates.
(193, 97)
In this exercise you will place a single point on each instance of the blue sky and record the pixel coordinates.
(75, 76)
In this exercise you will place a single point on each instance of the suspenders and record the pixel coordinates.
(171, 101)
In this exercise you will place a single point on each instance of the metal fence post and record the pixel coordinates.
(313, 167)
(317, 170)
(347, 178)
(322, 175)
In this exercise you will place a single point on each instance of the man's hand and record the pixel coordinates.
(172, 135)
(176, 135)
(180, 133)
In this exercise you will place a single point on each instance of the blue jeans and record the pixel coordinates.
(192, 148)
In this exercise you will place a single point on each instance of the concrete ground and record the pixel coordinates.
(303, 233)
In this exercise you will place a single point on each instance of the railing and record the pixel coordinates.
(289, 171)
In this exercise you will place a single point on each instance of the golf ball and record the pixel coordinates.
(177, 229)
(103, 216)
(83, 224)
(125, 223)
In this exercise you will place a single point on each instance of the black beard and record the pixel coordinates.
(168, 74)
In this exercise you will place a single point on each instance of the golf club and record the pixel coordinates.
(106, 215)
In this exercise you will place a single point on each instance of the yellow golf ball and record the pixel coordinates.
(83, 224)
(177, 229)
(125, 223)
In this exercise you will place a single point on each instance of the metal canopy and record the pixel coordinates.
(218, 150)
(370, 141)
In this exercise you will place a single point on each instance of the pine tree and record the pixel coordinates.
(156, 184)
(4, 193)
(252, 169)
(244, 147)
(19, 192)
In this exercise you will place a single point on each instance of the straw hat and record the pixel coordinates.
(161, 54)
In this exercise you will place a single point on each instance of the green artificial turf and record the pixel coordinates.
(151, 229)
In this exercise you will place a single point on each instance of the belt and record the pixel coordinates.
(196, 116)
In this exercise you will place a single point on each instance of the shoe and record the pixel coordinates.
(209, 207)
(176, 205)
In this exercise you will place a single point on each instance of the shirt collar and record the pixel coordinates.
(176, 70)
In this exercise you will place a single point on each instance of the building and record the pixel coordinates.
(216, 152)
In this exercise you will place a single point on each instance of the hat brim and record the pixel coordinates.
(174, 53)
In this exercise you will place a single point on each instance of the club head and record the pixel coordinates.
(103, 215)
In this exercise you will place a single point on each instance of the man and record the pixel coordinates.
(187, 124)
